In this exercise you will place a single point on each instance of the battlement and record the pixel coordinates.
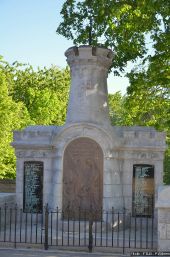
(34, 135)
(143, 136)
(88, 54)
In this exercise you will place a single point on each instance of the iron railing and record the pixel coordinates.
(55, 228)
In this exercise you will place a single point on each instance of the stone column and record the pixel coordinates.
(163, 205)
(88, 95)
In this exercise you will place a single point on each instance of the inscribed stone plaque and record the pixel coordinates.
(82, 176)
(33, 186)
(143, 189)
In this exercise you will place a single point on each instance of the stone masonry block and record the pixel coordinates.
(164, 215)
(111, 177)
(127, 190)
(163, 197)
(57, 176)
(164, 245)
(128, 203)
(115, 203)
(168, 231)
(112, 190)
(162, 230)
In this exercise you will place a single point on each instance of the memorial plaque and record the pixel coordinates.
(33, 186)
(143, 190)
(82, 176)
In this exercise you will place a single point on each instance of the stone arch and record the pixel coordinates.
(82, 175)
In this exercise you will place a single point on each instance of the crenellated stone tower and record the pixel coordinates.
(88, 94)
(87, 162)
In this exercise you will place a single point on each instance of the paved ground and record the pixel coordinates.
(43, 253)
(57, 253)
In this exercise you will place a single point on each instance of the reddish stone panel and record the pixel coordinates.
(82, 176)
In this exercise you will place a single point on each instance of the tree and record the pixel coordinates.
(149, 91)
(44, 93)
(28, 97)
(116, 108)
(120, 25)
(12, 116)
(148, 103)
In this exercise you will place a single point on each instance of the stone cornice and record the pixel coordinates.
(33, 145)
(134, 148)
(34, 153)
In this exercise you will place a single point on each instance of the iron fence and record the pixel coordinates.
(78, 228)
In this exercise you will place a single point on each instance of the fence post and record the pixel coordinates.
(15, 235)
(90, 246)
(124, 227)
(5, 221)
(46, 228)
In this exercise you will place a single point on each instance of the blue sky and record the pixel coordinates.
(28, 35)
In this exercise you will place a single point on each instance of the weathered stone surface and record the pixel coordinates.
(168, 230)
(111, 175)
(88, 98)
(127, 190)
(7, 186)
(112, 190)
(83, 175)
(163, 197)
(164, 245)
(163, 205)
(164, 215)
(116, 203)
(162, 231)
(7, 198)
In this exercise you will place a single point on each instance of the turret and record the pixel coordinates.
(88, 94)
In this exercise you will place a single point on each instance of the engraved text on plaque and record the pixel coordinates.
(143, 189)
(33, 186)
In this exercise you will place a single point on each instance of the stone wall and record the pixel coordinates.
(7, 201)
(7, 198)
(7, 186)
(163, 205)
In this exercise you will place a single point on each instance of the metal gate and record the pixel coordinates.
(117, 230)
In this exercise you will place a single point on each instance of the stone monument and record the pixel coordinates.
(87, 162)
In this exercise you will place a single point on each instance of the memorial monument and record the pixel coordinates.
(87, 162)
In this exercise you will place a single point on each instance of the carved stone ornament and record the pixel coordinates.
(145, 155)
(33, 154)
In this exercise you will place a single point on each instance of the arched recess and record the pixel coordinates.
(82, 176)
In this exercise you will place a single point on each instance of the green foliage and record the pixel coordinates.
(116, 108)
(148, 99)
(143, 108)
(28, 97)
(167, 165)
(120, 25)
(44, 92)
(12, 116)
(148, 104)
